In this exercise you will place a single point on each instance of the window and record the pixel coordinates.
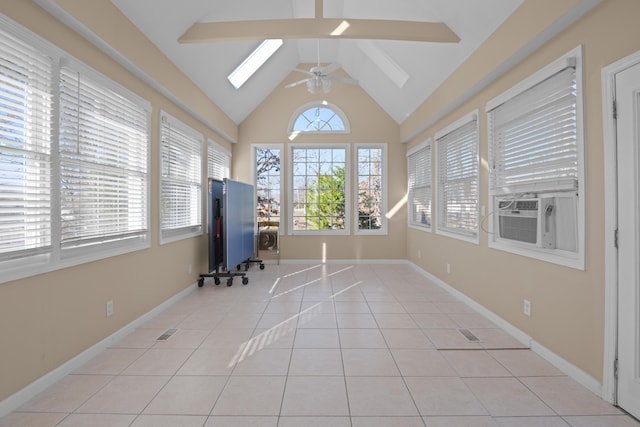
(74, 150)
(180, 180)
(104, 177)
(371, 189)
(26, 114)
(319, 197)
(268, 183)
(535, 158)
(253, 62)
(218, 161)
(419, 169)
(457, 152)
(319, 117)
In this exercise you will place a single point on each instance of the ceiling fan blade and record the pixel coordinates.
(299, 82)
(341, 79)
(304, 71)
(330, 68)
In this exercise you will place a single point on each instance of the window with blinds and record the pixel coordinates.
(533, 138)
(26, 113)
(218, 161)
(104, 150)
(180, 180)
(419, 167)
(458, 185)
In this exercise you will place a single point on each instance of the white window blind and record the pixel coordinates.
(25, 148)
(218, 161)
(180, 182)
(458, 187)
(420, 187)
(104, 146)
(533, 138)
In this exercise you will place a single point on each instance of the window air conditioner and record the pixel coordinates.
(529, 221)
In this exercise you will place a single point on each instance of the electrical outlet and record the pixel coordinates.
(526, 307)
(448, 268)
(109, 308)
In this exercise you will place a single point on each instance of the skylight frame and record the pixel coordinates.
(254, 62)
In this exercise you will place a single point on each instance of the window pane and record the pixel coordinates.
(370, 182)
(268, 185)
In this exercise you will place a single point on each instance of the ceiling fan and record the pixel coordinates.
(320, 78)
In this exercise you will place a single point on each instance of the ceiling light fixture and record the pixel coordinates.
(254, 61)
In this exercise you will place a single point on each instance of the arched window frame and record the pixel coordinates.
(320, 104)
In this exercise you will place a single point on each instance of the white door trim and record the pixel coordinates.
(611, 222)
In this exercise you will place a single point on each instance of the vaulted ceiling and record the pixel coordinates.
(384, 47)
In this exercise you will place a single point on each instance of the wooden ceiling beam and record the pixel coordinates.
(320, 28)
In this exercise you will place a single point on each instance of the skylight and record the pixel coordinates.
(254, 61)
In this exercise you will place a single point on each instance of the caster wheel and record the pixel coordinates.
(201, 282)
(216, 280)
(261, 266)
(245, 280)
(229, 282)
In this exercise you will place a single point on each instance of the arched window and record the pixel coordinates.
(319, 117)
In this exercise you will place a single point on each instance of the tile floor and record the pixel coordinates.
(318, 345)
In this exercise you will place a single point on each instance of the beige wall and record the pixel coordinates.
(369, 124)
(47, 319)
(567, 304)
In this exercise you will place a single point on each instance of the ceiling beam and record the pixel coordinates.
(320, 28)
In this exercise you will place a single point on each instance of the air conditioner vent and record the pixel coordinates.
(526, 205)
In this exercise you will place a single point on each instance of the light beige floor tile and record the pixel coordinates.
(567, 397)
(443, 396)
(454, 307)
(369, 363)
(314, 422)
(279, 337)
(158, 362)
(492, 339)
(387, 307)
(111, 361)
(164, 321)
(204, 318)
(433, 321)
(317, 338)
(214, 361)
(242, 307)
(264, 362)
(243, 421)
(124, 395)
(474, 363)
(395, 321)
(449, 339)
(187, 396)
(525, 363)
(169, 421)
(318, 307)
(227, 338)
(420, 307)
(468, 421)
(373, 297)
(530, 422)
(139, 338)
(356, 320)
(31, 419)
(184, 338)
(353, 307)
(317, 320)
(361, 338)
(507, 397)
(471, 321)
(315, 396)
(248, 395)
(387, 422)
(305, 362)
(379, 397)
(67, 394)
(270, 320)
(422, 363)
(406, 338)
(602, 421)
(233, 320)
(291, 307)
(97, 420)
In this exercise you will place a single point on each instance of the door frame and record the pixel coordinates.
(609, 385)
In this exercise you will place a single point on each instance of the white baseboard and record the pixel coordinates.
(22, 396)
(563, 365)
(343, 261)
